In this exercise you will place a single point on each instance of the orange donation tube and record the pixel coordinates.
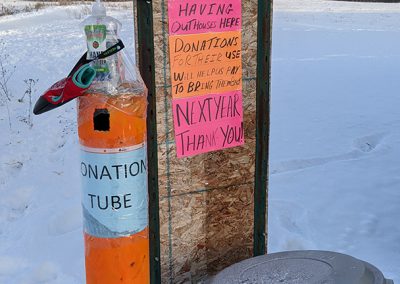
(112, 131)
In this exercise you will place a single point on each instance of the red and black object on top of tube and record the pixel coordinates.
(75, 84)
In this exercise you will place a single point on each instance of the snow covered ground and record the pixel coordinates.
(40, 213)
(335, 139)
(335, 154)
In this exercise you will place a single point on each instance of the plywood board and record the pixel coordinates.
(206, 201)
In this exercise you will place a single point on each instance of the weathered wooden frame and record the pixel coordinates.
(145, 27)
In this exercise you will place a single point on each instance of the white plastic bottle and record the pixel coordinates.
(102, 32)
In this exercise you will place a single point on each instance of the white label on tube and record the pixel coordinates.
(114, 200)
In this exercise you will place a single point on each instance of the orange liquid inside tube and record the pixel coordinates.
(118, 259)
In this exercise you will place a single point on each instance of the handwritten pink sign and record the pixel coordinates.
(207, 123)
(203, 16)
